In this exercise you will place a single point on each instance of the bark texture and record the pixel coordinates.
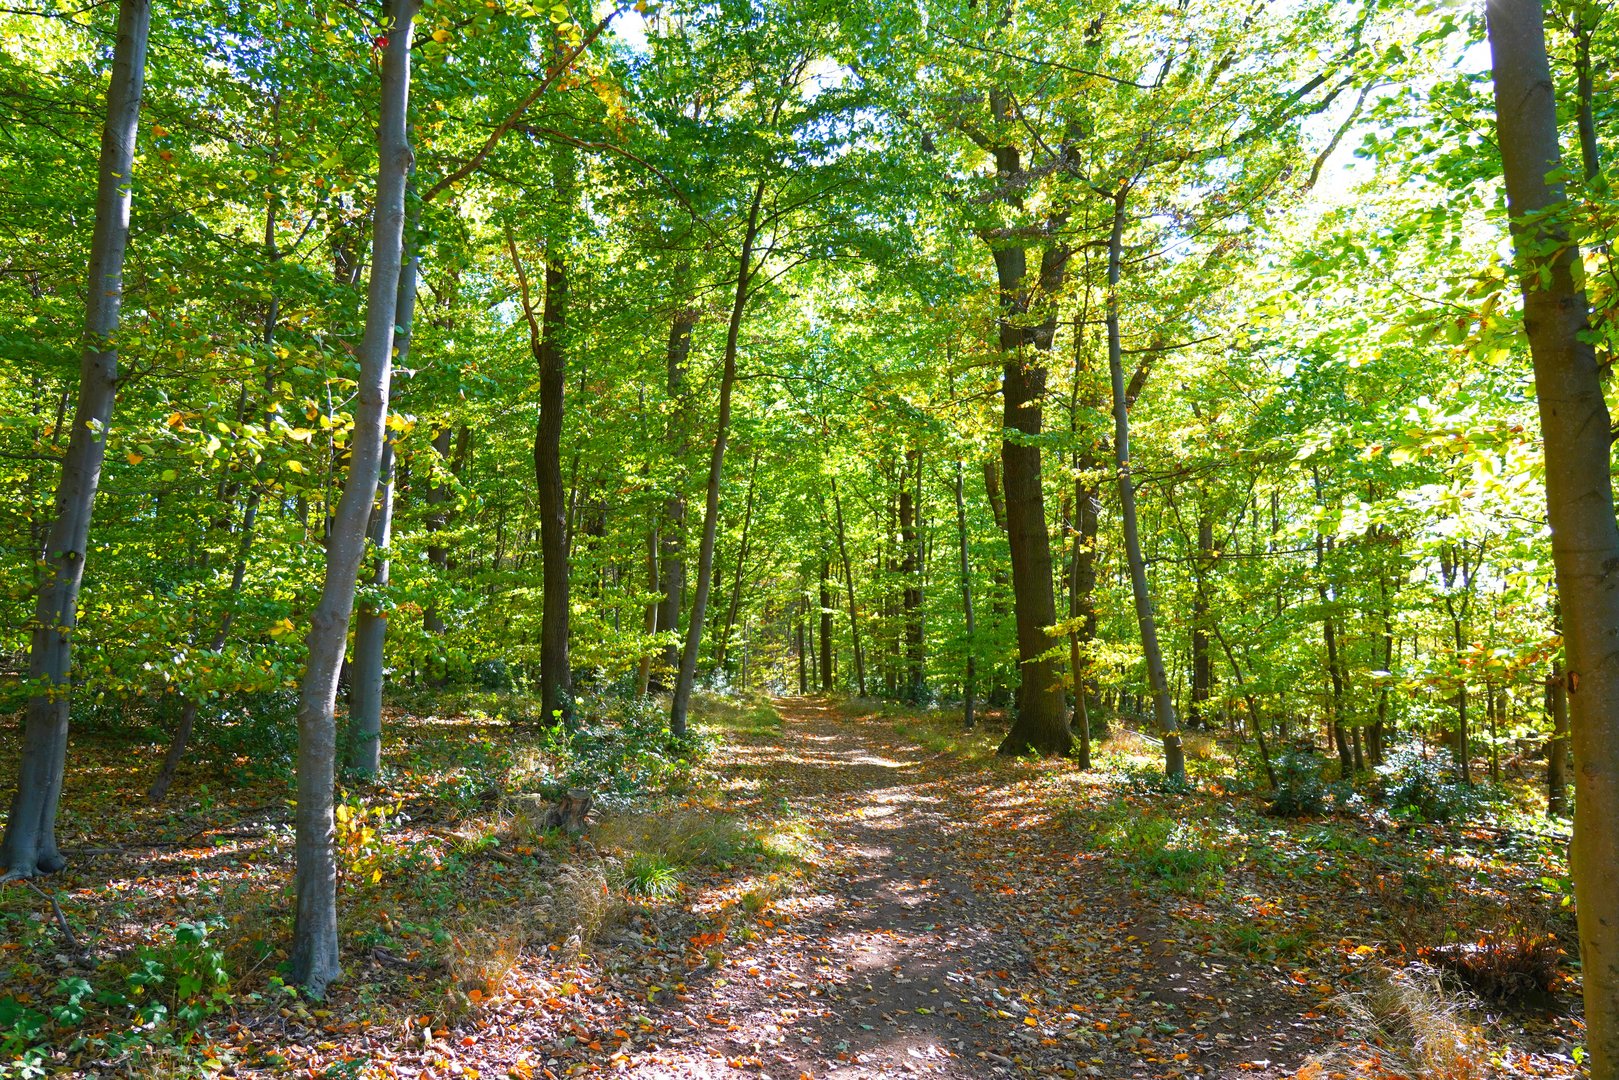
(29, 847)
(1575, 426)
(314, 938)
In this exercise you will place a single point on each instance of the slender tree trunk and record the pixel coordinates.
(672, 558)
(848, 580)
(371, 620)
(1202, 670)
(911, 571)
(969, 681)
(803, 657)
(1163, 703)
(716, 468)
(556, 677)
(1557, 745)
(314, 942)
(29, 847)
(649, 620)
(826, 627)
(1577, 434)
(735, 606)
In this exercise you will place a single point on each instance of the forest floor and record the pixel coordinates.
(842, 890)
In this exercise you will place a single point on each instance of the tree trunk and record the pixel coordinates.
(1576, 430)
(735, 606)
(803, 657)
(1557, 745)
(1042, 716)
(371, 621)
(1202, 671)
(1163, 703)
(911, 571)
(969, 681)
(672, 558)
(556, 677)
(826, 627)
(848, 580)
(29, 847)
(314, 942)
(716, 468)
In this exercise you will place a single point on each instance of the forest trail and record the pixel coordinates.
(954, 931)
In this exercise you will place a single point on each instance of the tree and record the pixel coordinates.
(29, 846)
(315, 960)
(1576, 427)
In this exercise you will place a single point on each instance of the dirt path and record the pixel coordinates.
(960, 931)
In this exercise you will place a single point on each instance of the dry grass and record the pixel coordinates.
(1411, 1027)
(685, 836)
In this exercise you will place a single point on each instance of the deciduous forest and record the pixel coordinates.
(791, 538)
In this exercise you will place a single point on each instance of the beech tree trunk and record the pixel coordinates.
(848, 580)
(687, 677)
(826, 627)
(1157, 678)
(371, 621)
(969, 680)
(314, 938)
(911, 571)
(1577, 433)
(1202, 670)
(29, 847)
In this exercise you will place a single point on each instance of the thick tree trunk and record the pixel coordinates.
(1041, 725)
(1577, 433)
(371, 621)
(29, 847)
(1163, 703)
(803, 657)
(969, 680)
(687, 677)
(314, 941)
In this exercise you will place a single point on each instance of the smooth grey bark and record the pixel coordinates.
(371, 621)
(687, 677)
(315, 960)
(969, 682)
(1577, 435)
(29, 847)
(1157, 678)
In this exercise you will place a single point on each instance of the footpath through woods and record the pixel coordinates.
(960, 928)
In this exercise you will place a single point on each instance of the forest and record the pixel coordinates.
(808, 538)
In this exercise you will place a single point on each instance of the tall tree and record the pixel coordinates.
(29, 846)
(1577, 433)
(315, 961)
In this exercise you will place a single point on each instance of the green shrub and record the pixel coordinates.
(1418, 788)
(1300, 789)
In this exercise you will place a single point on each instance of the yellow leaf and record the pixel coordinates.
(297, 467)
(441, 35)
(159, 131)
(134, 458)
